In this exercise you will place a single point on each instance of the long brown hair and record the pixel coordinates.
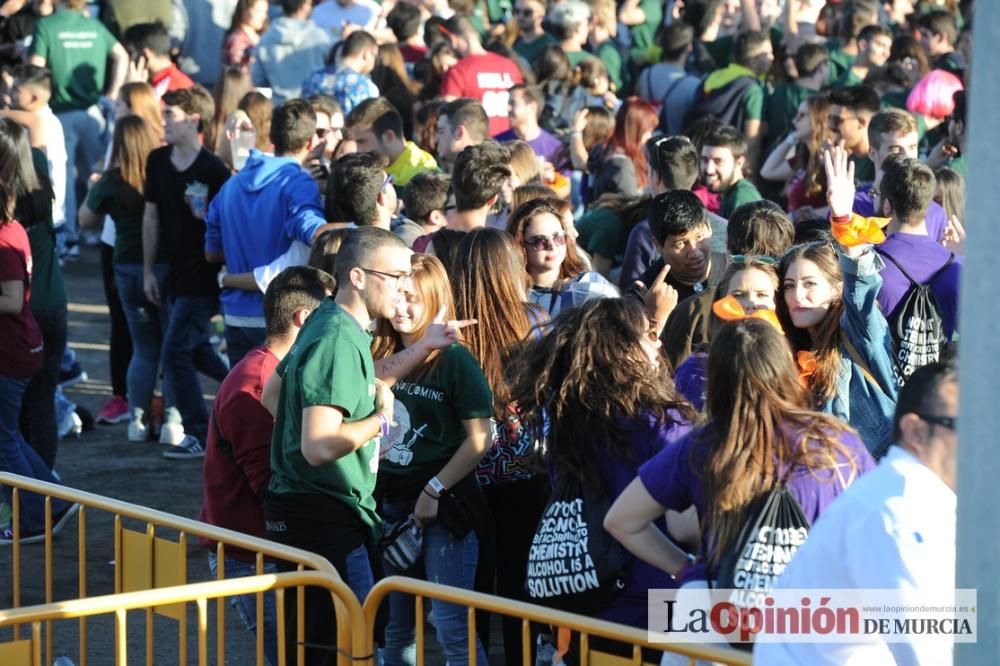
(825, 339)
(141, 100)
(232, 85)
(572, 265)
(761, 423)
(430, 281)
(131, 145)
(589, 377)
(490, 283)
(810, 155)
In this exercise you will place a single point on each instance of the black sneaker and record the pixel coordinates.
(189, 448)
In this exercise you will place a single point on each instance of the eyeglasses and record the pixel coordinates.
(546, 243)
(395, 277)
(949, 422)
(753, 259)
(321, 132)
(388, 181)
(525, 12)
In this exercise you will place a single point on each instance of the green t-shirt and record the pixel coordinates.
(48, 290)
(753, 103)
(643, 36)
(330, 364)
(864, 169)
(113, 196)
(612, 59)
(956, 164)
(430, 409)
(76, 50)
(576, 57)
(848, 79)
(840, 62)
(780, 108)
(895, 99)
(532, 51)
(602, 232)
(742, 192)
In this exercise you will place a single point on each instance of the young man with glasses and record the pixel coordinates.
(332, 405)
(531, 39)
(283, 200)
(851, 110)
(893, 529)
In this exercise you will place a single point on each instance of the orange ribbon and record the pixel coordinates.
(856, 230)
(729, 309)
(807, 366)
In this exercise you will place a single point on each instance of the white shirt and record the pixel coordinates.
(894, 528)
(55, 152)
(331, 16)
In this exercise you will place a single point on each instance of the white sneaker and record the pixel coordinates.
(136, 428)
(70, 425)
(172, 431)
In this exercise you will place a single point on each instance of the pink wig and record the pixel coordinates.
(932, 96)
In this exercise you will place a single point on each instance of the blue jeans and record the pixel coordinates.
(187, 351)
(146, 324)
(17, 457)
(448, 561)
(240, 340)
(246, 604)
(86, 134)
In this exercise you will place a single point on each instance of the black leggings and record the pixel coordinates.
(121, 341)
(38, 406)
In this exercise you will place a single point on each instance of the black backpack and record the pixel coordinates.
(916, 326)
(775, 530)
(725, 104)
(574, 564)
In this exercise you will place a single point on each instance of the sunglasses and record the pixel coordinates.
(949, 422)
(524, 12)
(546, 243)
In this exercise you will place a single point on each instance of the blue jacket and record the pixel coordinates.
(868, 406)
(254, 219)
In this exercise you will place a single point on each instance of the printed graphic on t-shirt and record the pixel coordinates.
(196, 197)
(495, 87)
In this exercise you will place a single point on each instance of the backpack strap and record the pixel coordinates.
(933, 278)
(859, 361)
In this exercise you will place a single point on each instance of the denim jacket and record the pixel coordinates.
(868, 407)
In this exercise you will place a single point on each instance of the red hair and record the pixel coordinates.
(635, 118)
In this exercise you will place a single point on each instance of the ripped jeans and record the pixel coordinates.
(448, 561)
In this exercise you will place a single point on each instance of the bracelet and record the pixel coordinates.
(437, 485)
(437, 497)
(383, 424)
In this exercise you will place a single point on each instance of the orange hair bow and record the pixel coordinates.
(855, 230)
(729, 309)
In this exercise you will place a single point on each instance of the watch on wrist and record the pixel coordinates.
(436, 485)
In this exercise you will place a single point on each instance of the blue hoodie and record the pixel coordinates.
(254, 219)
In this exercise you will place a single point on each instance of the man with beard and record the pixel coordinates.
(723, 156)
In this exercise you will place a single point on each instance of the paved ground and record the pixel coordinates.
(103, 461)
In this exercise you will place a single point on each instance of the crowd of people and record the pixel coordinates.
(674, 260)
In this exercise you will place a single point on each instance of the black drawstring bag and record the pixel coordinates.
(776, 529)
(574, 564)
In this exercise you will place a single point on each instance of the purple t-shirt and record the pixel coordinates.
(921, 257)
(674, 478)
(648, 436)
(545, 145)
(691, 379)
(936, 219)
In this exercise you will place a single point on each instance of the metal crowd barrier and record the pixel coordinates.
(585, 627)
(143, 560)
(29, 651)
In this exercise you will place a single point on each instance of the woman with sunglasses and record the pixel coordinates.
(830, 313)
(442, 427)
(559, 279)
(598, 436)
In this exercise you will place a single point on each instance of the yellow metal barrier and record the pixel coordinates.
(28, 652)
(143, 561)
(584, 626)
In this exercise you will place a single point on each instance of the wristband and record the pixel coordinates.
(436, 485)
(437, 497)
(383, 424)
(221, 276)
